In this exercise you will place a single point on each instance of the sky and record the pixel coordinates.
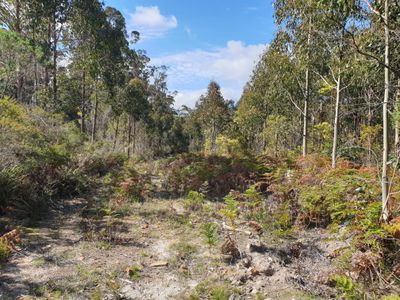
(200, 41)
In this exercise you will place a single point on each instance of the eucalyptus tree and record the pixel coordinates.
(135, 103)
(338, 17)
(87, 19)
(214, 112)
(297, 19)
(112, 52)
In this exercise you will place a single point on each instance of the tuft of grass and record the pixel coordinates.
(220, 293)
(134, 272)
(38, 262)
(184, 249)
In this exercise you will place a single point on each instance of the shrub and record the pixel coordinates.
(193, 172)
(36, 150)
(194, 201)
(4, 251)
(99, 164)
(346, 287)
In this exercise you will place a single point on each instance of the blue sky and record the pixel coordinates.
(201, 41)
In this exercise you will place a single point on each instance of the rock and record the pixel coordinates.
(247, 261)
(254, 272)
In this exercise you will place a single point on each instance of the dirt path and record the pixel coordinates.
(153, 250)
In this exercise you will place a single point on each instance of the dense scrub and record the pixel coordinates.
(212, 175)
(37, 159)
(346, 201)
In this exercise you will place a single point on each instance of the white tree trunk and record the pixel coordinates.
(385, 196)
(336, 121)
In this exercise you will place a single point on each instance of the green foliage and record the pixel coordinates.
(323, 133)
(346, 287)
(99, 164)
(229, 147)
(4, 251)
(339, 199)
(276, 134)
(231, 209)
(391, 297)
(134, 272)
(210, 233)
(35, 159)
(220, 293)
(194, 201)
(192, 172)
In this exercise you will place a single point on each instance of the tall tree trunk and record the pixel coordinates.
(55, 59)
(18, 63)
(336, 121)
(213, 137)
(307, 93)
(129, 135)
(96, 106)
(369, 140)
(116, 134)
(397, 122)
(385, 184)
(134, 137)
(48, 44)
(305, 112)
(36, 77)
(83, 101)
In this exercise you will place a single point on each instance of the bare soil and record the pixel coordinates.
(155, 250)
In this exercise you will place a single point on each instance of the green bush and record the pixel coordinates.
(99, 164)
(36, 164)
(194, 201)
(4, 251)
(220, 174)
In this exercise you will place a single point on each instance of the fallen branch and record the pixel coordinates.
(224, 226)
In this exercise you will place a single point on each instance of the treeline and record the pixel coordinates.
(329, 83)
(76, 58)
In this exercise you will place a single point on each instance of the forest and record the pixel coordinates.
(108, 191)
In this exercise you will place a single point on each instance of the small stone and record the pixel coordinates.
(247, 261)
(254, 272)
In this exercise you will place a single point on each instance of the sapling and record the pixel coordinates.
(209, 231)
(230, 211)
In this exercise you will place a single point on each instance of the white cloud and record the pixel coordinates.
(149, 21)
(230, 66)
(190, 97)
